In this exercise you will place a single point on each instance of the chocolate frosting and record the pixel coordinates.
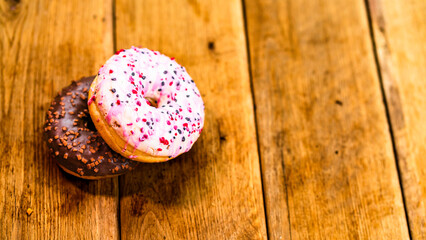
(73, 139)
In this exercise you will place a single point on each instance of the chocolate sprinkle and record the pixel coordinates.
(74, 127)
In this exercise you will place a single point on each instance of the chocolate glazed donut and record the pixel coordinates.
(73, 139)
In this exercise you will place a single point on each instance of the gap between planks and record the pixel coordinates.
(385, 103)
(247, 41)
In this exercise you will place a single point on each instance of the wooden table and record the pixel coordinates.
(315, 120)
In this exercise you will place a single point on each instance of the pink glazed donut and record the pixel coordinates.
(146, 106)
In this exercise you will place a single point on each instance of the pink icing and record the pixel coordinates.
(126, 81)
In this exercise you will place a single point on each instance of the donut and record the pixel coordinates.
(73, 140)
(146, 106)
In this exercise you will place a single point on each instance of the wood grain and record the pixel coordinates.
(44, 45)
(213, 191)
(327, 160)
(400, 37)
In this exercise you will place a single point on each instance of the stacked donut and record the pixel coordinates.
(141, 107)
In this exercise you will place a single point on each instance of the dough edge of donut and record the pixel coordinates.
(111, 137)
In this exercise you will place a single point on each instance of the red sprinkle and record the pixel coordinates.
(119, 51)
(118, 101)
(111, 71)
(91, 99)
(159, 149)
(144, 120)
(164, 141)
(172, 58)
(168, 123)
(134, 91)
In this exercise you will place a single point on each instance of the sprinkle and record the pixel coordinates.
(164, 141)
(119, 51)
(111, 71)
(29, 211)
(66, 155)
(91, 99)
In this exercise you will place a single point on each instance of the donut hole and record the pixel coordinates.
(152, 101)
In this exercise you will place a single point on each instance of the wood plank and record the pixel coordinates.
(44, 45)
(400, 37)
(214, 191)
(327, 160)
